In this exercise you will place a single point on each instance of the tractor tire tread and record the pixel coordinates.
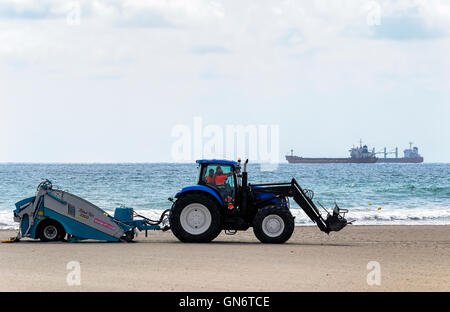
(284, 213)
(175, 224)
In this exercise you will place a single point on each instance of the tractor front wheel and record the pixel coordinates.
(273, 225)
(195, 218)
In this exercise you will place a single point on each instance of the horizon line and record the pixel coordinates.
(148, 162)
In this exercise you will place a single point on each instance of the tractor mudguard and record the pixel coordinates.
(200, 188)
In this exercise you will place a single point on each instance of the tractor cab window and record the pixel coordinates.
(218, 175)
(221, 177)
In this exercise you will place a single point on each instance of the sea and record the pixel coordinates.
(374, 194)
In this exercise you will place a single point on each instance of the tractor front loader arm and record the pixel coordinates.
(334, 221)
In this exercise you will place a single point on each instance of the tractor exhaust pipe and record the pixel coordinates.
(244, 190)
(245, 175)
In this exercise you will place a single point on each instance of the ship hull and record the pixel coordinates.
(303, 160)
(402, 160)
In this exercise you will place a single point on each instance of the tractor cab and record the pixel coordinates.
(223, 176)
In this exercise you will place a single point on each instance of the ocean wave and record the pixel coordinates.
(361, 216)
(7, 221)
(416, 190)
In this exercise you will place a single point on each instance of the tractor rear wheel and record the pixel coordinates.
(195, 218)
(273, 224)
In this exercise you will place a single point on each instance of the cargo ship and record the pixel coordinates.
(362, 155)
(358, 155)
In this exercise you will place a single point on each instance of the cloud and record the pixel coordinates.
(136, 13)
(408, 25)
(209, 49)
(27, 9)
(144, 19)
(292, 37)
(210, 75)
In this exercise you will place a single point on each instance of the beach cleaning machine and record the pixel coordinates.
(52, 214)
(222, 200)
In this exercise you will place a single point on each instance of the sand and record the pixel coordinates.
(411, 258)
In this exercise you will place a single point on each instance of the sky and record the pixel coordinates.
(110, 80)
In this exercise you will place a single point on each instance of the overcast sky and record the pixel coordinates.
(111, 85)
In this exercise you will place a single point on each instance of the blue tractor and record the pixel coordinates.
(222, 199)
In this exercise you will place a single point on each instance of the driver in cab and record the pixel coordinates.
(210, 177)
(220, 177)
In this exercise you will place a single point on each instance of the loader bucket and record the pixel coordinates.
(337, 221)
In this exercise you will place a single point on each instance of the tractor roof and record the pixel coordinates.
(217, 161)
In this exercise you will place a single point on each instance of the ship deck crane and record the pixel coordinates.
(385, 153)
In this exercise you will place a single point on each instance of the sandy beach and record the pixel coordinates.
(411, 258)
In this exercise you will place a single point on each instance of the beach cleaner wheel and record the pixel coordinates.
(129, 236)
(51, 231)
